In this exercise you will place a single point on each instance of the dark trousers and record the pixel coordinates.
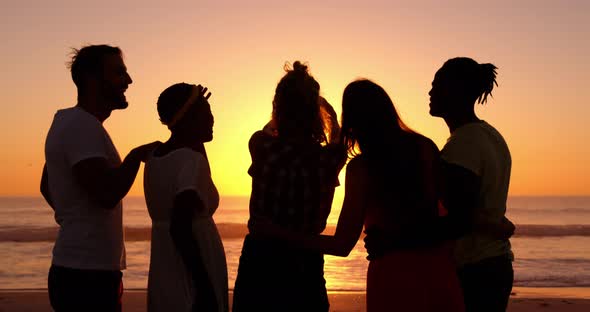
(272, 277)
(487, 284)
(84, 290)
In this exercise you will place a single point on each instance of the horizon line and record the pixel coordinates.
(246, 196)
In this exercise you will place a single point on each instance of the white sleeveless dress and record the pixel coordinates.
(169, 284)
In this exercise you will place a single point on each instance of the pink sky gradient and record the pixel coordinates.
(238, 48)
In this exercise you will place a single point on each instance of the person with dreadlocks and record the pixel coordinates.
(391, 191)
(475, 169)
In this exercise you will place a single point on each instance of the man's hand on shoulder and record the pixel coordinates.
(142, 152)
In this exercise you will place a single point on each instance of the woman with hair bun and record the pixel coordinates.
(188, 271)
(294, 171)
(391, 191)
(476, 166)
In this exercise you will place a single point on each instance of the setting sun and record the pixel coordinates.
(238, 50)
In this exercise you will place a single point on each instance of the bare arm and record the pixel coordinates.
(44, 187)
(350, 222)
(181, 231)
(105, 184)
(352, 216)
(326, 200)
(181, 228)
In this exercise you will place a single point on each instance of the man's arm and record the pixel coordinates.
(108, 185)
(44, 187)
(502, 230)
(460, 191)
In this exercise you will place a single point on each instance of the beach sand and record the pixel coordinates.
(524, 299)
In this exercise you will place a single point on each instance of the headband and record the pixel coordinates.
(195, 92)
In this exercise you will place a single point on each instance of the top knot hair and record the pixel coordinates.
(296, 111)
(298, 67)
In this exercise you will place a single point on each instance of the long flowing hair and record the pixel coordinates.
(372, 129)
(369, 118)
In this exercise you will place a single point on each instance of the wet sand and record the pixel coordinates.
(524, 299)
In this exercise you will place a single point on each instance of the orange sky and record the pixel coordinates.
(238, 48)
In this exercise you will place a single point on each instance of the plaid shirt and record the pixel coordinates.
(290, 180)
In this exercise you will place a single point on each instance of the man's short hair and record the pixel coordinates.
(89, 61)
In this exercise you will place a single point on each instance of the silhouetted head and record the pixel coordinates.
(372, 126)
(99, 70)
(368, 117)
(458, 84)
(296, 111)
(185, 112)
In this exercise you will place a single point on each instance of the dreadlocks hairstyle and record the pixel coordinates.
(477, 79)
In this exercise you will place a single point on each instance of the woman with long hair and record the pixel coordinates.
(294, 173)
(391, 191)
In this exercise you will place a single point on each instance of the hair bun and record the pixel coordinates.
(299, 67)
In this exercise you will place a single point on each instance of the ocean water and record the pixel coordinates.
(551, 245)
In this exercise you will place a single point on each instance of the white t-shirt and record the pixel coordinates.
(169, 175)
(90, 237)
(480, 148)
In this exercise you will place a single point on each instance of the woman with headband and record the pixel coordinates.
(188, 271)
